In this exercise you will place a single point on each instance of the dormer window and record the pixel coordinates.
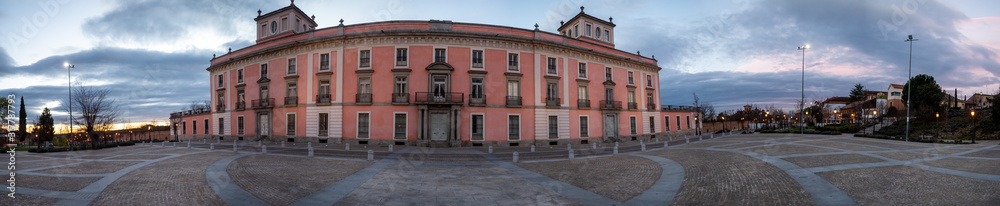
(607, 35)
(274, 27)
(576, 29)
(598, 33)
(588, 29)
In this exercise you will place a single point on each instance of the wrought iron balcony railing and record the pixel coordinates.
(241, 105)
(477, 101)
(262, 103)
(584, 103)
(363, 98)
(220, 108)
(633, 105)
(439, 98)
(400, 97)
(549, 101)
(513, 100)
(651, 106)
(323, 98)
(291, 101)
(605, 104)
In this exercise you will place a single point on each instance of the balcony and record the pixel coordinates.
(439, 98)
(262, 103)
(363, 98)
(241, 105)
(220, 108)
(633, 106)
(513, 100)
(401, 98)
(477, 101)
(552, 102)
(291, 101)
(583, 103)
(605, 104)
(651, 106)
(323, 98)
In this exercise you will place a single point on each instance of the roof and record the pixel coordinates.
(289, 7)
(837, 100)
(585, 15)
(896, 86)
(872, 93)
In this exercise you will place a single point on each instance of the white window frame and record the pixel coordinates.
(294, 70)
(631, 78)
(240, 75)
(609, 74)
(552, 62)
(666, 122)
(588, 27)
(649, 81)
(370, 58)
(319, 126)
(607, 35)
(582, 75)
(581, 118)
(357, 125)
(406, 131)
(327, 62)
(472, 56)
(241, 125)
(472, 126)
(519, 127)
(434, 54)
(517, 65)
(395, 55)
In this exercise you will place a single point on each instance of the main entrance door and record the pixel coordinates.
(262, 124)
(610, 125)
(439, 126)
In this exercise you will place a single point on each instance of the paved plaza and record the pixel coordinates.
(751, 169)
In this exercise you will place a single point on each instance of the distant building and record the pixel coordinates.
(980, 101)
(895, 98)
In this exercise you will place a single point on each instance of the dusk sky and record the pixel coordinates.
(153, 54)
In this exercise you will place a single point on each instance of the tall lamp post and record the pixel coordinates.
(803, 101)
(909, 75)
(69, 88)
(973, 126)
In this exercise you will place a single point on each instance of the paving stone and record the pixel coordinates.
(785, 149)
(296, 177)
(703, 144)
(903, 185)
(968, 165)
(171, 151)
(65, 184)
(27, 200)
(619, 177)
(138, 157)
(736, 146)
(828, 160)
(175, 181)
(904, 155)
(942, 151)
(93, 167)
(39, 164)
(891, 144)
(726, 178)
(985, 153)
(831, 143)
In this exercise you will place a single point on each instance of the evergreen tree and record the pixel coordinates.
(927, 95)
(22, 124)
(45, 129)
(858, 93)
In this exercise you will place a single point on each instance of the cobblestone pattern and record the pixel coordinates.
(891, 144)
(904, 155)
(138, 157)
(737, 146)
(968, 165)
(725, 178)
(942, 151)
(175, 181)
(985, 153)
(95, 167)
(619, 177)
(703, 144)
(39, 164)
(903, 185)
(827, 160)
(27, 200)
(65, 184)
(852, 147)
(784, 149)
(296, 177)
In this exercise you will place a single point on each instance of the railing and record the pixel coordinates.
(292, 101)
(262, 103)
(552, 101)
(439, 59)
(220, 108)
(323, 98)
(605, 104)
(241, 105)
(363, 98)
(480, 101)
(513, 100)
(400, 97)
(651, 106)
(439, 98)
(583, 103)
(633, 105)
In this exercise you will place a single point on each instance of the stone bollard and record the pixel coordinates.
(282, 143)
(712, 136)
(211, 146)
(263, 149)
(593, 145)
(189, 145)
(699, 138)
(568, 146)
(310, 151)
(666, 144)
(671, 138)
(390, 148)
(571, 154)
(347, 146)
(309, 144)
(686, 140)
(371, 155)
(685, 136)
(640, 141)
(234, 146)
(656, 140)
(643, 147)
(203, 141)
(532, 148)
(258, 143)
(491, 149)
(616, 148)
(218, 141)
(515, 156)
(175, 144)
(162, 144)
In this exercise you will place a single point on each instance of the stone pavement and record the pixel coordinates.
(754, 169)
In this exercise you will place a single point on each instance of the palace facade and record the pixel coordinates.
(432, 83)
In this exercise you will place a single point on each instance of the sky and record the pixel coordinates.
(153, 54)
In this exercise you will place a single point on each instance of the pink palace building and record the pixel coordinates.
(433, 83)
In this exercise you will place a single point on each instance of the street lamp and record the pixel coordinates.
(723, 123)
(803, 100)
(937, 125)
(973, 126)
(874, 115)
(909, 75)
(69, 88)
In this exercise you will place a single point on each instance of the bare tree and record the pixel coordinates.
(97, 111)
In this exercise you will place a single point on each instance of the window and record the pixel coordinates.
(324, 87)
(184, 128)
(583, 71)
(649, 80)
(630, 79)
(678, 122)
(896, 93)
(400, 86)
(440, 55)
(512, 62)
(220, 81)
(649, 100)
(666, 123)
(291, 90)
(513, 127)
(274, 27)
(477, 88)
(364, 85)
(584, 129)
(363, 121)
(552, 93)
(552, 66)
(477, 126)
(290, 125)
(607, 35)
(607, 74)
(400, 126)
(512, 88)
(477, 59)
(239, 125)
(631, 125)
(631, 96)
(239, 76)
(597, 32)
(324, 62)
(652, 125)
(553, 127)
(576, 29)
(365, 58)
(582, 92)
(401, 56)
(194, 126)
(688, 122)
(588, 29)
(291, 66)
(263, 71)
(222, 122)
(264, 94)
(205, 123)
(284, 24)
(324, 124)
(220, 100)
(240, 96)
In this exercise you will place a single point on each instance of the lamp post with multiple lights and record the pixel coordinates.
(909, 75)
(802, 102)
(69, 88)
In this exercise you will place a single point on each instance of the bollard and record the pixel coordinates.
(203, 141)
(309, 144)
(189, 145)
(282, 143)
(685, 136)
(616, 148)
(657, 139)
(515, 156)
(671, 138)
(310, 151)
(263, 149)
(686, 140)
(347, 146)
(491, 149)
(699, 138)
(390, 148)
(532, 148)
(175, 144)
(568, 146)
(571, 154)
(666, 144)
(258, 143)
(643, 147)
(593, 145)
(712, 136)
(640, 141)
(371, 155)
(234, 146)
(218, 141)
(211, 147)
